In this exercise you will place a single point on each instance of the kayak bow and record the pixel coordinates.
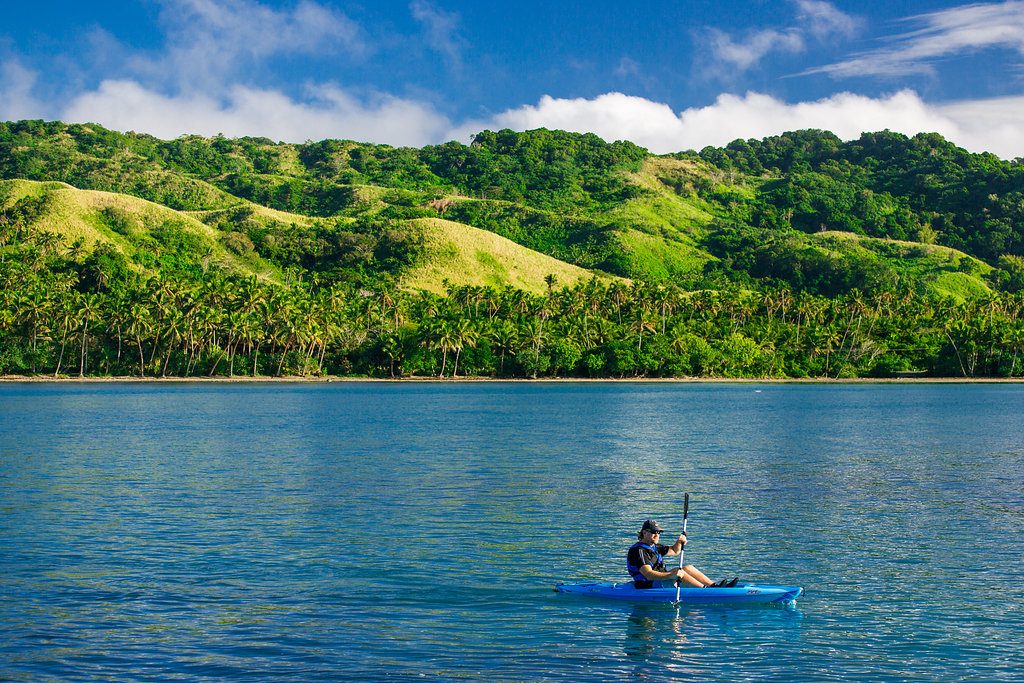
(745, 594)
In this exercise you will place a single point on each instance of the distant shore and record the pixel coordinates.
(27, 379)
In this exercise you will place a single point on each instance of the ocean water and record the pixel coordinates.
(275, 532)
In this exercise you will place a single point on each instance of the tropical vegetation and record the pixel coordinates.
(537, 254)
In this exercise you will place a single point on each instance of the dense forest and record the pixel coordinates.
(794, 256)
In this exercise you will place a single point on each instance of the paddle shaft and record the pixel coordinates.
(686, 513)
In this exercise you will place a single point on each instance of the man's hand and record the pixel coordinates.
(681, 539)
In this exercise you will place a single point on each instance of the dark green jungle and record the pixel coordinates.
(795, 256)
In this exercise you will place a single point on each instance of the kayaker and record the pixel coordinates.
(645, 562)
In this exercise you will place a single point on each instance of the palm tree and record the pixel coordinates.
(65, 317)
(661, 298)
(550, 280)
(505, 337)
(88, 309)
(642, 323)
(441, 334)
(236, 332)
(395, 346)
(464, 334)
(139, 327)
(175, 332)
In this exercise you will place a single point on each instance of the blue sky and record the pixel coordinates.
(668, 75)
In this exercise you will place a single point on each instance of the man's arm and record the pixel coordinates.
(677, 547)
(651, 575)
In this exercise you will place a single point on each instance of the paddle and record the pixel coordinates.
(686, 513)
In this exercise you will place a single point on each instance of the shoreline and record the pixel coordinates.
(29, 379)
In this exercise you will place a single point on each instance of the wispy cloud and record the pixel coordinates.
(16, 85)
(993, 125)
(441, 30)
(823, 20)
(627, 68)
(815, 21)
(209, 42)
(629, 71)
(951, 32)
(746, 52)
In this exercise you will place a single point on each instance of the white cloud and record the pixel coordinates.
(824, 20)
(994, 125)
(940, 34)
(751, 50)
(209, 42)
(815, 19)
(329, 112)
(613, 116)
(441, 30)
(627, 68)
(16, 84)
(200, 80)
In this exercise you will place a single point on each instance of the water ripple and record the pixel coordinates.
(368, 531)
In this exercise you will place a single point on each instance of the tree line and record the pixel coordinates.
(58, 318)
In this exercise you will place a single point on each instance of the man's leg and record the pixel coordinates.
(696, 576)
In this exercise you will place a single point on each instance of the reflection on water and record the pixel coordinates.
(318, 532)
(660, 638)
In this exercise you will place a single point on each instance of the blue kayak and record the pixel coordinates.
(745, 594)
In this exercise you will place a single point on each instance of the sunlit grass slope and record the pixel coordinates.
(131, 225)
(463, 255)
(673, 201)
(660, 258)
(660, 230)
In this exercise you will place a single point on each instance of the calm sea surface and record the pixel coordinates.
(339, 531)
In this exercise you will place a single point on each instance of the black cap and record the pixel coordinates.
(651, 525)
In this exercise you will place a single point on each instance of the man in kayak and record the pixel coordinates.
(645, 562)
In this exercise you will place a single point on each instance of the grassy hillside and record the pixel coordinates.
(458, 254)
(746, 213)
(453, 254)
(149, 236)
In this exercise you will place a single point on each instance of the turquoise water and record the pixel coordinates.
(337, 531)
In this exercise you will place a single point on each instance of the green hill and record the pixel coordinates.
(543, 253)
(458, 254)
(607, 207)
(148, 235)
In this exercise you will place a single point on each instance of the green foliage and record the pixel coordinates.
(294, 195)
(551, 170)
(581, 242)
(813, 201)
(119, 221)
(1009, 273)
(792, 259)
(973, 202)
(563, 194)
(103, 268)
(107, 319)
(776, 257)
